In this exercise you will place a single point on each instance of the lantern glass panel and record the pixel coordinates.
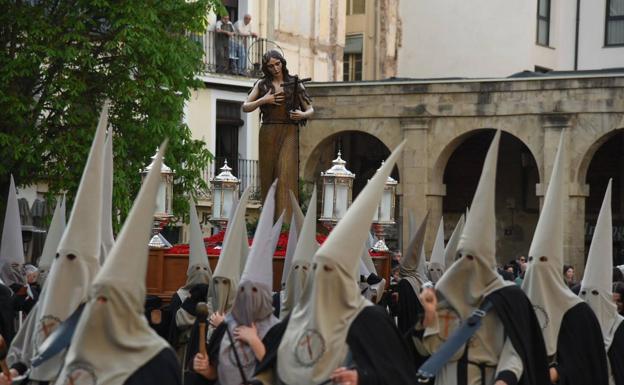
(386, 206)
(161, 198)
(217, 202)
(228, 198)
(328, 200)
(342, 200)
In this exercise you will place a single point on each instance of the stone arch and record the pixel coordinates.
(590, 151)
(517, 204)
(604, 160)
(440, 159)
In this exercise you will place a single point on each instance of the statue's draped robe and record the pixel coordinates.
(278, 144)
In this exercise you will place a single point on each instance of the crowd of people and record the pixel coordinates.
(458, 318)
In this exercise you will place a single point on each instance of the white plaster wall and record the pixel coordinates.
(198, 111)
(323, 12)
(495, 38)
(563, 31)
(592, 52)
(200, 115)
(296, 17)
(478, 38)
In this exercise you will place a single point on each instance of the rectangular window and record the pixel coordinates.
(356, 7)
(614, 24)
(543, 22)
(228, 123)
(352, 60)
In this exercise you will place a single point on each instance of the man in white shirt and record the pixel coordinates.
(243, 29)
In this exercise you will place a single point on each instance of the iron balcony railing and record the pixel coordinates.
(246, 170)
(234, 55)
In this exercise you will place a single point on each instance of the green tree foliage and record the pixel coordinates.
(61, 59)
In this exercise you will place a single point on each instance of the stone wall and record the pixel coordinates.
(437, 117)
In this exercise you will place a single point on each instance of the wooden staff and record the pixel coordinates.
(202, 313)
(295, 94)
(4, 350)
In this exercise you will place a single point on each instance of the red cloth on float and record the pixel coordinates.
(213, 244)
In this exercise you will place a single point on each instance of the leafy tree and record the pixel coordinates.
(62, 58)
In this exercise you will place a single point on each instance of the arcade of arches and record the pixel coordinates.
(448, 126)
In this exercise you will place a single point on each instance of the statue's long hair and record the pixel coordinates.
(266, 83)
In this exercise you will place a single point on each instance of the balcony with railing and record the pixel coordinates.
(233, 55)
(246, 170)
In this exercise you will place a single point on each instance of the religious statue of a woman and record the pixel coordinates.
(284, 106)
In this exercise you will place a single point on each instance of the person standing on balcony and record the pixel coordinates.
(243, 29)
(283, 110)
(224, 45)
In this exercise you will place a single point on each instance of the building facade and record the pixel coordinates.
(373, 34)
(494, 38)
(448, 126)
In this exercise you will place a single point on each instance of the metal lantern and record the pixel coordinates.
(164, 197)
(337, 191)
(385, 210)
(384, 215)
(164, 200)
(225, 187)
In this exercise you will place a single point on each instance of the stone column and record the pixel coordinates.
(574, 237)
(574, 203)
(414, 172)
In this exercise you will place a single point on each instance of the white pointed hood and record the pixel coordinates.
(198, 268)
(367, 260)
(55, 232)
(450, 251)
(300, 268)
(412, 263)
(435, 269)
(253, 301)
(12, 247)
(596, 286)
(113, 338)
(108, 239)
(293, 234)
(259, 265)
(474, 275)
(543, 281)
(332, 301)
(296, 211)
(77, 259)
(227, 273)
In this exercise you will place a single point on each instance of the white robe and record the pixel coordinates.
(487, 346)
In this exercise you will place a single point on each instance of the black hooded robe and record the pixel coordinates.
(522, 328)
(163, 369)
(7, 314)
(616, 355)
(581, 356)
(409, 309)
(197, 293)
(378, 351)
